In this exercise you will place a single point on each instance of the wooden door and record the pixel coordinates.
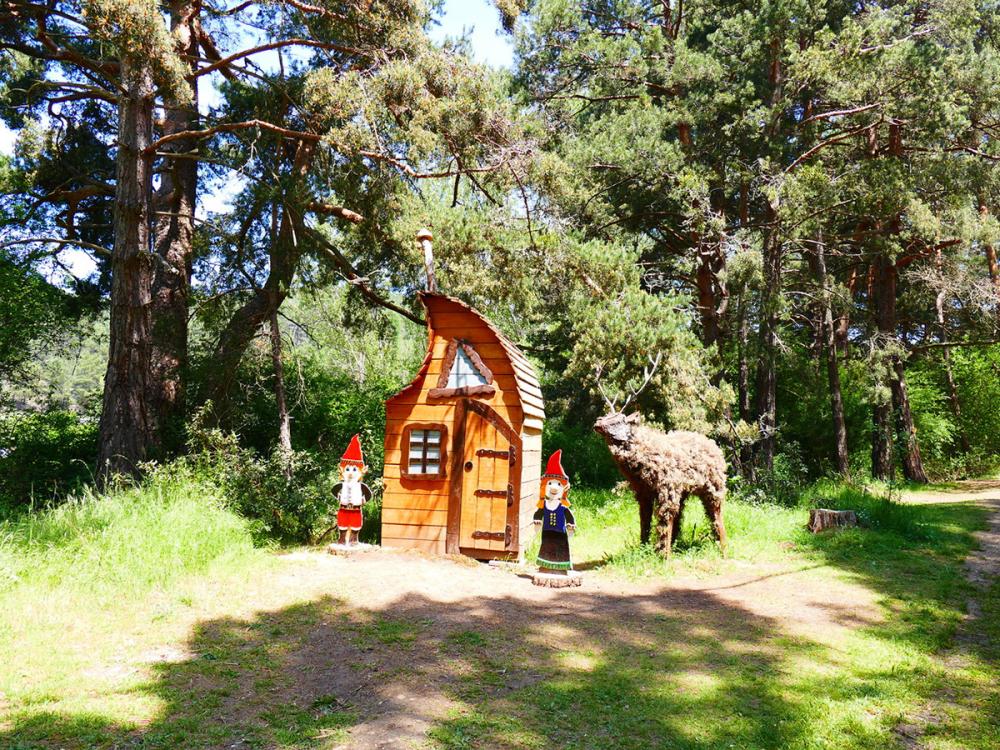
(488, 478)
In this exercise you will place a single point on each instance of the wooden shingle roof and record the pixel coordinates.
(528, 389)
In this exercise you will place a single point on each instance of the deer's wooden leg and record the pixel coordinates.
(675, 532)
(666, 511)
(713, 509)
(645, 514)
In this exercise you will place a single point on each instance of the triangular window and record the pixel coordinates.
(463, 373)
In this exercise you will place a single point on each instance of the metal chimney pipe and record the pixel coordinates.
(425, 238)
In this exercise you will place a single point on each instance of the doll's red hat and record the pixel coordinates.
(353, 455)
(554, 467)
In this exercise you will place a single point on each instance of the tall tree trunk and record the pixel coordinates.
(883, 289)
(284, 421)
(743, 384)
(126, 428)
(953, 400)
(913, 466)
(174, 204)
(844, 321)
(705, 278)
(244, 325)
(994, 268)
(829, 333)
(883, 466)
(991, 256)
(766, 381)
(284, 254)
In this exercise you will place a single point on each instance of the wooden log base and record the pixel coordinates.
(822, 519)
(346, 550)
(557, 580)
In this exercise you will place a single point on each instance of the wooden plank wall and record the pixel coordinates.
(531, 470)
(415, 511)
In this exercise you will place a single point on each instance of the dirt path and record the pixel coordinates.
(983, 565)
(404, 644)
(406, 691)
(808, 601)
(982, 571)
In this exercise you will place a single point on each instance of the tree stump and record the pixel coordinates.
(821, 519)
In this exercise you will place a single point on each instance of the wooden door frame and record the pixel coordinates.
(454, 527)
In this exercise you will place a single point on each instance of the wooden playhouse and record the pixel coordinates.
(463, 442)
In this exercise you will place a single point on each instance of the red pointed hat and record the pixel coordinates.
(554, 468)
(353, 453)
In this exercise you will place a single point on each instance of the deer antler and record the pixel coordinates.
(647, 375)
(598, 371)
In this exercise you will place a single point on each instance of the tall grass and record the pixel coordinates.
(876, 507)
(125, 541)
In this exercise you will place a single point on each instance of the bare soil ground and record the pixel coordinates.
(401, 692)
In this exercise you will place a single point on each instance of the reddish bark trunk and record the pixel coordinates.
(284, 420)
(844, 321)
(705, 277)
(126, 428)
(174, 203)
(884, 284)
(284, 256)
(991, 263)
(882, 289)
(913, 466)
(953, 400)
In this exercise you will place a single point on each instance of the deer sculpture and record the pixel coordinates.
(664, 469)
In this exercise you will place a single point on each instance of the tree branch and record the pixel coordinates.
(231, 127)
(339, 211)
(226, 61)
(354, 278)
(56, 240)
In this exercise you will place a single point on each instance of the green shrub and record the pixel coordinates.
(44, 455)
(287, 498)
(586, 458)
(782, 485)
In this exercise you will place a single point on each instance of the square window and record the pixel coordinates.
(424, 451)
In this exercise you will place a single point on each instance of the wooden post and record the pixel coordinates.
(425, 238)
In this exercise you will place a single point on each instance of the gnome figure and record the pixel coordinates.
(555, 518)
(351, 492)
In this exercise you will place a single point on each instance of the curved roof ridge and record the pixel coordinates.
(528, 388)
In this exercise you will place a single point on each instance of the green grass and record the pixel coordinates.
(234, 647)
(126, 542)
(607, 536)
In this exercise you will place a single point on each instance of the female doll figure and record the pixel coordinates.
(555, 518)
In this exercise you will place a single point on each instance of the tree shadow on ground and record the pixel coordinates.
(674, 669)
(583, 669)
(915, 564)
